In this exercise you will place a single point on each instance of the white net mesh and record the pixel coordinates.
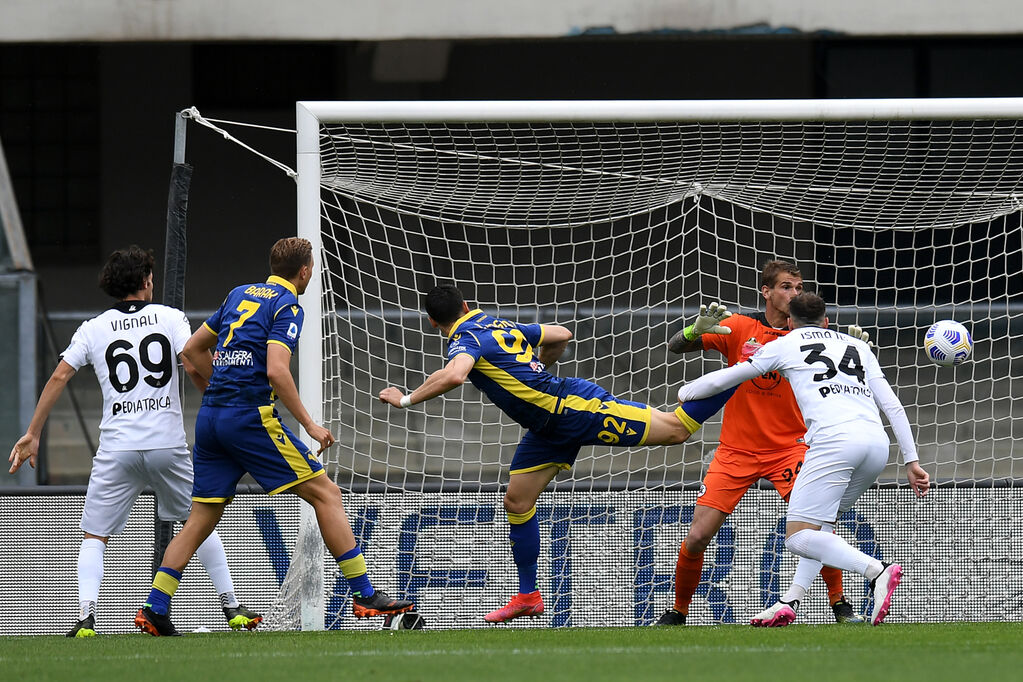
(619, 231)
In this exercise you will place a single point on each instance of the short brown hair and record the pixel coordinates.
(288, 256)
(125, 271)
(807, 308)
(773, 268)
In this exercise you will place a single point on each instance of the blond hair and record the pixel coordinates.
(288, 256)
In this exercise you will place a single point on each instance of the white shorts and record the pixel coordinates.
(119, 476)
(835, 473)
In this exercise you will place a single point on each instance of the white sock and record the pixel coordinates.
(90, 575)
(211, 554)
(806, 572)
(874, 570)
(831, 550)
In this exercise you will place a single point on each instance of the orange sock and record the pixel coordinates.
(833, 579)
(688, 569)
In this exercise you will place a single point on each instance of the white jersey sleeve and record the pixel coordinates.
(180, 331)
(830, 374)
(77, 353)
(896, 413)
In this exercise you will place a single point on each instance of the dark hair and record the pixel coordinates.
(807, 308)
(288, 255)
(443, 303)
(125, 271)
(773, 268)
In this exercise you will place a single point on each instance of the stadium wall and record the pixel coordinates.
(607, 557)
(112, 20)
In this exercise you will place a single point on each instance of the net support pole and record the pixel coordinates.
(175, 250)
(310, 353)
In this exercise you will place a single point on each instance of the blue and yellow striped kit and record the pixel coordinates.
(238, 429)
(562, 415)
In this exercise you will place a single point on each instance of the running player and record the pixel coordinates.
(238, 431)
(838, 386)
(762, 436)
(508, 362)
(134, 347)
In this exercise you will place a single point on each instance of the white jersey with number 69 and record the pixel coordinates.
(134, 349)
(830, 374)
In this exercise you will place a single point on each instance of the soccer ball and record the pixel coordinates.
(404, 621)
(947, 343)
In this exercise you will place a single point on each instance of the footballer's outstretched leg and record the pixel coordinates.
(778, 615)
(530, 604)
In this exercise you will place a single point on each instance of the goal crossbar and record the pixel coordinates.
(682, 111)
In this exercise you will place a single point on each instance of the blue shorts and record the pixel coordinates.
(586, 415)
(233, 441)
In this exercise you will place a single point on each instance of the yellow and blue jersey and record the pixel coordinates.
(506, 368)
(250, 318)
(238, 429)
(561, 414)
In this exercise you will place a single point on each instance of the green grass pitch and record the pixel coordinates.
(956, 651)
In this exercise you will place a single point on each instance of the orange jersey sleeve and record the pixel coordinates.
(763, 415)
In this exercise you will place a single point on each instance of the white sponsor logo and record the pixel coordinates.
(232, 358)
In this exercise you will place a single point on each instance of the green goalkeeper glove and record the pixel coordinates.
(707, 322)
(858, 333)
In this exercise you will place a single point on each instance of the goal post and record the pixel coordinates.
(617, 219)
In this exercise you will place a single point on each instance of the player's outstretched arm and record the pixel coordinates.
(892, 407)
(555, 341)
(278, 372)
(27, 447)
(452, 375)
(708, 321)
(717, 381)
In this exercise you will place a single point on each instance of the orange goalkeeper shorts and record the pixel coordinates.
(732, 472)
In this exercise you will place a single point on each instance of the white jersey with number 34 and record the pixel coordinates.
(830, 374)
(134, 349)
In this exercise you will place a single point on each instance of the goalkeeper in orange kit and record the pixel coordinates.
(761, 437)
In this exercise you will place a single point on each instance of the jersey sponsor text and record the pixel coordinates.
(232, 358)
(141, 405)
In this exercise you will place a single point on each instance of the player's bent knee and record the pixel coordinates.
(319, 490)
(520, 502)
(697, 544)
(798, 542)
(516, 505)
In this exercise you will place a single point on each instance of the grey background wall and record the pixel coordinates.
(88, 128)
(88, 131)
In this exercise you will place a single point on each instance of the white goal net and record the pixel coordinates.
(617, 219)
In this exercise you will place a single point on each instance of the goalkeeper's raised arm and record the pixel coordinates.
(708, 321)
